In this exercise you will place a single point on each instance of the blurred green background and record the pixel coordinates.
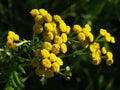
(14, 15)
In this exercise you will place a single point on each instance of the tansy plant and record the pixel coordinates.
(45, 54)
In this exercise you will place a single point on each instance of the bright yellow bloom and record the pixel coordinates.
(64, 37)
(91, 37)
(47, 45)
(68, 29)
(112, 39)
(48, 18)
(46, 63)
(109, 62)
(43, 12)
(48, 27)
(12, 36)
(62, 26)
(59, 61)
(48, 36)
(77, 28)
(81, 36)
(52, 57)
(37, 28)
(16, 37)
(108, 37)
(34, 12)
(55, 49)
(109, 55)
(57, 39)
(49, 73)
(39, 19)
(55, 67)
(35, 62)
(103, 50)
(57, 18)
(87, 28)
(45, 53)
(103, 32)
(94, 47)
(63, 48)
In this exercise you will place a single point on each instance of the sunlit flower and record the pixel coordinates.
(45, 53)
(46, 63)
(77, 28)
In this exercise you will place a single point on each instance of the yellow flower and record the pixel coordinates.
(35, 62)
(104, 51)
(109, 55)
(47, 45)
(77, 28)
(81, 36)
(48, 18)
(64, 37)
(91, 37)
(59, 61)
(87, 27)
(43, 12)
(48, 36)
(55, 49)
(49, 73)
(46, 63)
(68, 29)
(62, 26)
(57, 39)
(108, 37)
(52, 57)
(12, 36)
(34, 12)
(45, 53)
(112, 39)
(11, 45)
(48, 26)
(39, 19)
(55, 67)
(63, 48)
(103, 32)
(94, 47)
(109, 62)
(16, 37)
(37, 28)
(57, 18)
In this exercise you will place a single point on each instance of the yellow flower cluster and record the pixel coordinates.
(83, 34)
(11, 38)
(54, 32)
(107, 36)
(97, 53)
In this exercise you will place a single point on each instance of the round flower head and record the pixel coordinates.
(52, 57)
(55, 49)
(37, 28)
(81, 36)
(112, 39)
(39, 19)
(62, 26)
(34, 12)
(43, 12)
(48, 18)
(48, 26)
(68, 29)
(109, 62)
(63, 48)
(103, 50)
(77, 28)
(47, 46)
(45, 53)
(91, 37)
(64, 37)
(57, 18)
(48, 36)
(108, 37)
(55, 67)
(46, 63)
(59, 61)
(103, 32)
(109, 55)
(87, 27)
(57, 39)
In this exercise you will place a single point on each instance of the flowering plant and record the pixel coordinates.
(45, 55)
